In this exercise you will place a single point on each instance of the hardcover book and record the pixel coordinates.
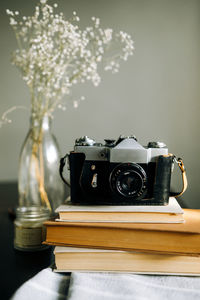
(183, 238)
(90, 260)
(171, 213)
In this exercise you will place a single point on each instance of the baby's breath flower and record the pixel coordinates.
(4, 118)
(9, 12)
(55, 54)
(12, 21)
(75, 103)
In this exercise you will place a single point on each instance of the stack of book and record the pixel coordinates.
(136, 239)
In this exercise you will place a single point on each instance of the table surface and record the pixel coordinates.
(16, 266)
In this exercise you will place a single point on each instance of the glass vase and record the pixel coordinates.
(40, 187)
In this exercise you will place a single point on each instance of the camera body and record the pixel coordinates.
(120, 172)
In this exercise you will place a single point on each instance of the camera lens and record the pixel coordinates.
(129, 180)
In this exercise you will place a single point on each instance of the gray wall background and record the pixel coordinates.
(154, 96)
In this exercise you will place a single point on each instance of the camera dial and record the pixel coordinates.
(129, 180)
(84, 141)
(156, 145)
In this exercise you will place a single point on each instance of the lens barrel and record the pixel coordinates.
(129, 180)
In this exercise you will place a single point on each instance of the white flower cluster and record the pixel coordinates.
(55, 54)
(4, 118)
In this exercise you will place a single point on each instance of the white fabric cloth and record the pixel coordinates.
(47, 285)
(97, 286)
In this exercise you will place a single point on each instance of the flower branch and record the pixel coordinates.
(54, 54)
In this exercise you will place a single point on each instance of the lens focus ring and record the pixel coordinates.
(129, 180)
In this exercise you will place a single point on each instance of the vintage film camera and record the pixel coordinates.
(120, 172)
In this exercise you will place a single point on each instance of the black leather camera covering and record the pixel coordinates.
(82, 172)
(163, 179)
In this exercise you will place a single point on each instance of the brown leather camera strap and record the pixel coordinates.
(179, 161)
